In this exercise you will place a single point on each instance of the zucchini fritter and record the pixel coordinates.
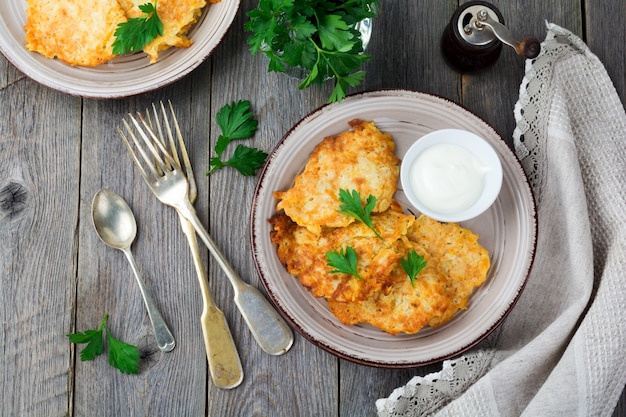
(177, 17)
(74, 31)
(361, 159)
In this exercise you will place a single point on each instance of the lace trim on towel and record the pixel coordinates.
(532, 109)
(427, 394)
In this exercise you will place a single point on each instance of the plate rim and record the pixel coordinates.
(35, 68)
(533, 229)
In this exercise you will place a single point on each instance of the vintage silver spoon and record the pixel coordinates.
(115, 224)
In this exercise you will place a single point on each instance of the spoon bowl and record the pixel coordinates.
(113, 220)
(115, 224)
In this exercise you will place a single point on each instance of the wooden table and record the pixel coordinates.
(57, 150)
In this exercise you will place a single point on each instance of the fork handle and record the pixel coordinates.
(269, 329)
(221, 352)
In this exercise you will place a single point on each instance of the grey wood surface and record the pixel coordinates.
(56, 277)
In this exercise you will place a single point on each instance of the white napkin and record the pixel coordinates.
(562, 350)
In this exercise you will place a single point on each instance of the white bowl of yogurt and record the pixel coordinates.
(451, 175)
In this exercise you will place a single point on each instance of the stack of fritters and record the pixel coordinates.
(81, 32)
(308, 225)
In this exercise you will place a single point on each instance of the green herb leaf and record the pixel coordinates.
(237, 122)
(137, 32)
(93, 338)
(122, 356)
(316, 35)
(412, 265)
(246, 160)
(351, 206)
(335, 34)
(344, 262)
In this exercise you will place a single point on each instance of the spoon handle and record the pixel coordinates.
(165, 339)
(269, 329)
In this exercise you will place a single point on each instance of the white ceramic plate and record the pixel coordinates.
(508, 230)
(124, 76)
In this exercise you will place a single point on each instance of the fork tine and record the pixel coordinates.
(161, 155)
(159, 129)
(140, 148)
(168, 159)
(138, 164)
(170, 138)
(193, 190)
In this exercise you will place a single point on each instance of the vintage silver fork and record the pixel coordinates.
(224, 363)
(168, 183)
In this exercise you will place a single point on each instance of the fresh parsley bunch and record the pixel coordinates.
(316, 35)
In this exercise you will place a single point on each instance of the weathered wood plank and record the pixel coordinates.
(605, 36)
(405, 49)
(39, 183)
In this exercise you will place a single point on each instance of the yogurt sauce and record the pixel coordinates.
(447, 178)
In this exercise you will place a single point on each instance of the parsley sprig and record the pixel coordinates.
(316, 35)
(122, 356)
(134, 34)
(351, 206)
(343, 261)
(237, 122)
(412, 265)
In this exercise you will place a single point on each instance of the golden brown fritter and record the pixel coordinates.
(459, 257)
(74, 31)
(177, 17)
(361, 159)
(404, 308)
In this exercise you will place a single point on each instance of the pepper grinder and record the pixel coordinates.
(473, 39)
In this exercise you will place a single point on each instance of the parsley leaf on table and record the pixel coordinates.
(318, 36)
(122, 356)
(93, 338)
(412, 265)
(344, 261)
(134, 34)
(351, 206)
(237, 122)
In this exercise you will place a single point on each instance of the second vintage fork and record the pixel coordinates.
(167, 181)
(222, 356)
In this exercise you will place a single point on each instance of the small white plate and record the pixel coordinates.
(125, 75)
(507, 230)
(476, 146)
